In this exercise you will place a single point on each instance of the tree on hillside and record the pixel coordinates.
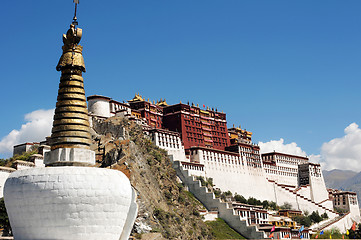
(240, 198)
(286, 205)
(315, 217)
(324, 216)
(253, 201)
(4, 220)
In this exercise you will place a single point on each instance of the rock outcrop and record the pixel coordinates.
(164, 205)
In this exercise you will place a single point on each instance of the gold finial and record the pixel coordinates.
(72, 52)
(71, 124)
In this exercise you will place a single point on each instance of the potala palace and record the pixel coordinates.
(200, 144)
(199, 140)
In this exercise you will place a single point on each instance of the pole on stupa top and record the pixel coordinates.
(70, 139)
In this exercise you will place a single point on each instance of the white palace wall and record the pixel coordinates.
(299, 203)
(318, 188)
(231, 173)
(194, 169)
(305, 190)
(171, 143)
(355, 212)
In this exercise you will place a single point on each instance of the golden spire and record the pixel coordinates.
(71, 124)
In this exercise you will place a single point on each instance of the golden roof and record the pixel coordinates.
(137, 98)
(162, 103)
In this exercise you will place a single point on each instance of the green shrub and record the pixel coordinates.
(220, 230)
(4, 219)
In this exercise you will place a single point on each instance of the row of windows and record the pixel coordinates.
(192, 167)
(342, 198)
(153, 116)
(220, 155)
(270, 171)
(248, 214)
(217, 158)
(287, 169)
(193, 129)
(170, 145)
(167, 138)
(253, 164)
(288, 158)
(194, 135)
(190, 139)
(195, 121)
(198, 124)
(117, 107)
(219, 144)
(191, 118)
(256, 156)
(338, 202)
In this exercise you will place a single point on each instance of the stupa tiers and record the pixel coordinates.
(68, 199)
(70, 139)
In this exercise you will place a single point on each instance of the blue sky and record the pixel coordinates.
(281, 69)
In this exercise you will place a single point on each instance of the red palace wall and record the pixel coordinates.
(195, 127)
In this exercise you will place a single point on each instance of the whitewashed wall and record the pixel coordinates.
(79, 203)
(4, 174)
(99, 107)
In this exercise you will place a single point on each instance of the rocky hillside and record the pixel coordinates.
(164, 205)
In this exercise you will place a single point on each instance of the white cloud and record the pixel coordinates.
(340, 153)
(345, 152)
(280, 146)
(37, 127)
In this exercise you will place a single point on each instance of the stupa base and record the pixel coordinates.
(70, 155)
(79, 203)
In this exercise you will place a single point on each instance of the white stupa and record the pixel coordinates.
(69, 198)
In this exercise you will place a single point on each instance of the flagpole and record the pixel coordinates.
(75, 22)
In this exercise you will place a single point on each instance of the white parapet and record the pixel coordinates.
(79, 203)
(79, 155)
(4, 174)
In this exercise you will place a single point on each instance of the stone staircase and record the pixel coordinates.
(225, 211)
(317, 205)
(328, 223)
